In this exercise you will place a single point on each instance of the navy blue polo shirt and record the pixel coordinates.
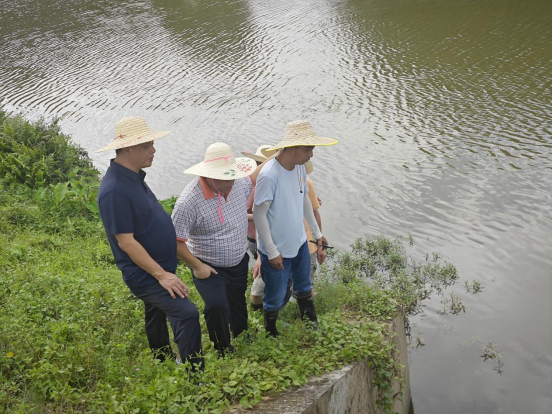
(127, 205)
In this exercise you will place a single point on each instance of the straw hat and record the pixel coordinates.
(130, 131)
(300, 133)
(219, 163)
(260, 156)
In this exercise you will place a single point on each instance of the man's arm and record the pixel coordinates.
(140, 256)
(315, 202)
(200, 269)
(318, 219)
(308, 213)
(263, 230)
(315, 230)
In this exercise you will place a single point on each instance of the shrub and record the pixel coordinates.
(38, 154)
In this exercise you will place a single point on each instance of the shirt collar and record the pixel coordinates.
(207, 192)
(138, 177)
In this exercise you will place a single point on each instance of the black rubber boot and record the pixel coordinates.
(270, 318)
(305, 302)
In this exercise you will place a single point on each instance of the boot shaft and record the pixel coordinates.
(305, 302)
(270, 318)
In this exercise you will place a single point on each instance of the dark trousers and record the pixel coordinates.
(183, 317)
(224, 297)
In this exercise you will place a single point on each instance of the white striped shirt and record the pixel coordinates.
(196, 220)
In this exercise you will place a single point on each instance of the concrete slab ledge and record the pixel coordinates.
(349, 390)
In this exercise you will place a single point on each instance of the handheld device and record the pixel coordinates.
(325, 246)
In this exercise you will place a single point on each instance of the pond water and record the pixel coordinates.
(442, 109)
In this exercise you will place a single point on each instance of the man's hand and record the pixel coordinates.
(319, 201)
(173, 285)
(277, 262)
(204, 271)
(321, 254)
(257, 268)
(321, 241)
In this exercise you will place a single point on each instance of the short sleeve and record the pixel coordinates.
(312, 194)
(265, 189)
(184, 218)
(117, 213)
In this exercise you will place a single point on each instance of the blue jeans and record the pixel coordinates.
(276, 281)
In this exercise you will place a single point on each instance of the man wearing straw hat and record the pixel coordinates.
(316, 255)
(143, 242)
(210, 218)
(281, 203)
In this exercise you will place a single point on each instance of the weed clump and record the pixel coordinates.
(385, 265)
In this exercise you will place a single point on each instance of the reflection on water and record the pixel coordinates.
(442, 109)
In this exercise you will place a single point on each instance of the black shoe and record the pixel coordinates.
(270, 318)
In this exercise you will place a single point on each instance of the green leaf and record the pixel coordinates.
(60, 190)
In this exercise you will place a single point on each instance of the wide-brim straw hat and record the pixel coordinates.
(260, 155)
(220, 164)
(300, 133)
(130, 131)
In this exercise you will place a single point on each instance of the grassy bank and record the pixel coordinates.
(72, 336)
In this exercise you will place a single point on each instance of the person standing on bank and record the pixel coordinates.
(212, 239)
(281, 203)
(143, 242)
(316, 255)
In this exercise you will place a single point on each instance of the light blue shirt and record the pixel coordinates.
(285, 216)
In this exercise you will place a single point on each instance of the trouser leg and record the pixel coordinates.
(183, 317)
(235, 295)
(256, 294)
(288, 292)
(302, 285)
(276, 281)
(184, 320)
(157, 332)
(300, 267)
(217, 316)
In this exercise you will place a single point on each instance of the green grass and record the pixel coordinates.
(72, 336)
